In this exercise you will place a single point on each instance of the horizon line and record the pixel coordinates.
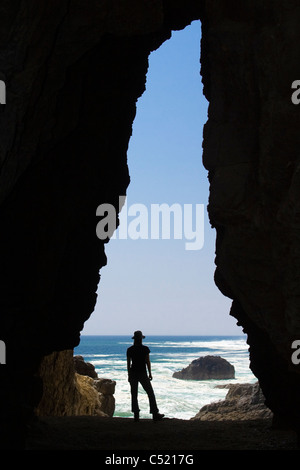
(154, 334)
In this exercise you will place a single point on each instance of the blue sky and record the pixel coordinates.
(157, 285)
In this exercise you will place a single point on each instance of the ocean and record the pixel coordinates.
(176, 398)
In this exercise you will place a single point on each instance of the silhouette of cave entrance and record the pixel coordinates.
(165, 167)
(161, 287)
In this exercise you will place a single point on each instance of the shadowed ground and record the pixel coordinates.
(93, 433)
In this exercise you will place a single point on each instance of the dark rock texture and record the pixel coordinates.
(242, 402)
(73, 74)
(84, 368)
(206, 368)
(249, 61)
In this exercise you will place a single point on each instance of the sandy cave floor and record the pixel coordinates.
(113, 434)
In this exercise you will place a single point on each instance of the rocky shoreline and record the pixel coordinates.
(242, 402)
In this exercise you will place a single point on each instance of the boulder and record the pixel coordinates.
(92, 401)
(105, 386)
(89, 401)
(107, 404)
(106, 390)
(242, 402)
(84, 368)
(206, 368)
(102, 387)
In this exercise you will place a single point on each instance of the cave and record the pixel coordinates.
(73, 75)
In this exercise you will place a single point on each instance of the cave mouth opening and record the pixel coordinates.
(155, 284)
(165, 167)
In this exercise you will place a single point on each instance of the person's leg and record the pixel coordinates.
(134, 396)
(147, 386)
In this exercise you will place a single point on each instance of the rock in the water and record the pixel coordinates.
(242, 402)
(84, 368)
(206, 368)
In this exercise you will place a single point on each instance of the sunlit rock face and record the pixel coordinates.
(73, 75)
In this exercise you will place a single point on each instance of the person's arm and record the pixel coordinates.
(128, 365)
(148, 364)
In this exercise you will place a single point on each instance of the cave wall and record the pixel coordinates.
(251, 140)
(73, 74)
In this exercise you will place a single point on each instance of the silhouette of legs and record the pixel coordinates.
(134, 392)
(146, 384)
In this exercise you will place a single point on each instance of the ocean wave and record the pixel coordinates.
(110, 363)
(221, 345)
(98, 355)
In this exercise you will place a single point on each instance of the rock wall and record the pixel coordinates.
(67, 392)
(249, 62)
(73, 75)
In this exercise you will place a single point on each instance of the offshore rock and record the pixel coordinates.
(206, 368)
(242, 402)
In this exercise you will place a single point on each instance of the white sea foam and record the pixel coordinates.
(97, 355)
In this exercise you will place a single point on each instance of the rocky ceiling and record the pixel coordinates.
(73, 72)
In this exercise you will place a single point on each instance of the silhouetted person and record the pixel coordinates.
(138, 361)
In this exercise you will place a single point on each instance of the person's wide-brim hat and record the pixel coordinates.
(138, 334)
